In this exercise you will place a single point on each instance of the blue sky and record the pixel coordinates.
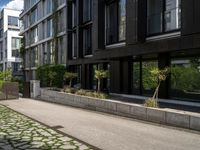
(3, 2)
(13, 4)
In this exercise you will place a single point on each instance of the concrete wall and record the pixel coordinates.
(162, 116)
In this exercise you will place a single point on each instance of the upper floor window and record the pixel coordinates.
(13, 21)
(115, 21)
(49, 28)
(87, 40)
(87, 10)
(74, 45)
(1, 23)
(74, 14)
(49, 6)
(34, 35)
(163, 16)
(61, 25)
(15, 46)
(15, 43)
(33, 16)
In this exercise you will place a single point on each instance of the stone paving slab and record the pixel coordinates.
(18, 132)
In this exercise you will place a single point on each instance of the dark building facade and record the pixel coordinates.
(129, 38)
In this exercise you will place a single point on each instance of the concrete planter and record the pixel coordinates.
(162, 116)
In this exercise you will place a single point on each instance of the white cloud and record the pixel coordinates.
(15, 4)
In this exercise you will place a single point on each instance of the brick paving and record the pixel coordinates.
(18, 132)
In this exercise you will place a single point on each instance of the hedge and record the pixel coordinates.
(42, 74)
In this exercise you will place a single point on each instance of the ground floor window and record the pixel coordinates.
(77, 82)
(185, 78)
(142, 79)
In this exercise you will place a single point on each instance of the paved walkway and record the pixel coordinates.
(21, 133)
(105, 131)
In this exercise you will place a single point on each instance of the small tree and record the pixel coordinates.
(99, 75)
(52, 76)
(70, 76)
(158, 76)
(6, 75)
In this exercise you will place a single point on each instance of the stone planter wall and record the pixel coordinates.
(163, 116)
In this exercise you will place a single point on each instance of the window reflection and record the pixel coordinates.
(185, 78)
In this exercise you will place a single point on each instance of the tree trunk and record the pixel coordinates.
(99, 85)
(70, 83)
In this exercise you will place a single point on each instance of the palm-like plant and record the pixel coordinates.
(158, 76)
(70, 76)
(99, 75)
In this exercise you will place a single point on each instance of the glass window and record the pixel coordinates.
(34, 35)
(34, 57)
(33, 16)
(15, 53)
(87, 10)
(74, 45)
(163, 16)
(87, 41)
(62, 53)
(1, 33)
(61, 25)
(154, 16)
(15, 43)
(185, 78)
(45, 55)
(74, 14)
(50, 28)
(77, 81)
(136, 77)
(172, 14)
(49, 6)
(16, 67)
(115, 21)
(50, 47)
(122, 20)
(13, 21)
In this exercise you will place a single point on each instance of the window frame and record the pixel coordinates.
(163, 21)
(107, 3)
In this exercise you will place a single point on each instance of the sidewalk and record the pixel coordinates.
(105, 131)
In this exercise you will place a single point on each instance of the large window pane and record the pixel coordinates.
(115, 21)
(49, 28)
(87, 10)
(172, 15)
(74, 45)
(185, 78)
(13, 21)
(136, 77)
(111, 23)
(74, 14)
(163, 16)
(154, 16)
(49, 6)
(87, 41)
(122, 20)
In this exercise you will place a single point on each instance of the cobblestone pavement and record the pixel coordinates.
(18, 132)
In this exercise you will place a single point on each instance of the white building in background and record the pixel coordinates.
(10, 40)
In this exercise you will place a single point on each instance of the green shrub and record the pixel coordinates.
(20, 81)
(1, 84)
(151, 103)
(81, 92)
(92, 94)
(70, 90)
(43, 74)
